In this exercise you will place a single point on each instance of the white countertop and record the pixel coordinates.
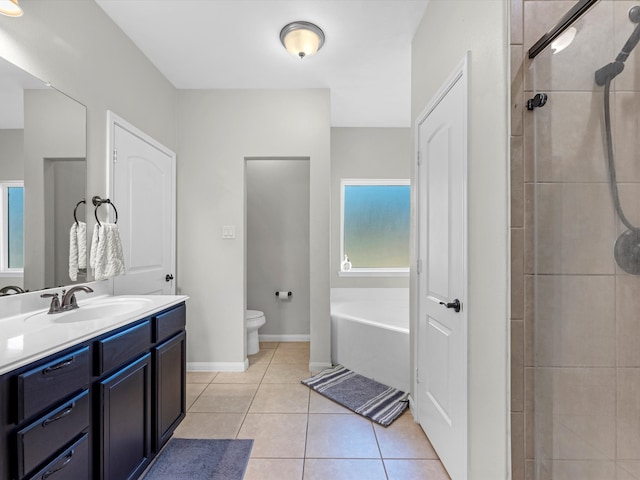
(28, 337)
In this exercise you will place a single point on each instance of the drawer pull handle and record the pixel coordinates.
(58, 366)
(59, 416)
(59, 467)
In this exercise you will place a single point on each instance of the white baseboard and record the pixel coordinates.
(319, 366)
(217, 366)
(283, 338)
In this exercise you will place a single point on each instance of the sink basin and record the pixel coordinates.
(94, 310)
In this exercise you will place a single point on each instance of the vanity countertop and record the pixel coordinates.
(31, 336)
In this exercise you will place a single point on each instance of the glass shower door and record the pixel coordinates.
(583, 373)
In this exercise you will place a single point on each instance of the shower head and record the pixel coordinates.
(608, 72)
(613, 69)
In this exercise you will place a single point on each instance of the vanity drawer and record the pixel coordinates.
(72, 464)
(48, 434)
(168, 323)
(115, 350)
(47, 384)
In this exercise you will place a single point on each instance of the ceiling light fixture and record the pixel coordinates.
(10, 8)
(302, 38)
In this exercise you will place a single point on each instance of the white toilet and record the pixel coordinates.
(255, 319)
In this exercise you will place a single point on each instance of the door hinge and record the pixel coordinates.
(418, 158)
(115, 155)
(419, 266)
(417, 376)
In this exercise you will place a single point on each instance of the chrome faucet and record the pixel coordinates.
(5, 290)
(68, 301)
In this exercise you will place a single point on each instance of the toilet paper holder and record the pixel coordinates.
(288, 294)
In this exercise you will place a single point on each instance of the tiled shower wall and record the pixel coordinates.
(586, 360)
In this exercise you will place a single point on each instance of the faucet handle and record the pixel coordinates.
(55, 302)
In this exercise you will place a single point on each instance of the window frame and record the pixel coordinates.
(5, 271)
(368, 271)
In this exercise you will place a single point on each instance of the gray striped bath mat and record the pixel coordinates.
(366, 397)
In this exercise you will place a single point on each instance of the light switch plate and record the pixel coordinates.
(228, 231)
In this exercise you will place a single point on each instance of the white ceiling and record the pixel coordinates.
(13, 82)
(209, 44)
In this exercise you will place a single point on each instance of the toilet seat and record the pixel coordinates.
(254, 319)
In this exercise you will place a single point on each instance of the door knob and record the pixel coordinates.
(168, 277)
(456, 305)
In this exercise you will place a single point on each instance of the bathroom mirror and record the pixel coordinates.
(43, 148)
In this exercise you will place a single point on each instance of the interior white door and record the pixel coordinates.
(144, 194)
(442, 318)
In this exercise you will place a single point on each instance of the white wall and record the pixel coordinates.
(447, 31)
(365, 153)
(278, 245)
(217, 130)
(54, 128)
(11, 154)
(75, 46)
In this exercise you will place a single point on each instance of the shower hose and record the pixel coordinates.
(613, 182)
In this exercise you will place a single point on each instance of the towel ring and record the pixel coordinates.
(97, 201)
(76, 209)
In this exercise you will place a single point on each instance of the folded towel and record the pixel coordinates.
(77, 250)
(106, 259)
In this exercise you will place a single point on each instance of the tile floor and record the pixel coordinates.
(298, 434)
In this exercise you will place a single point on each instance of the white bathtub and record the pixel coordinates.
(370, 333)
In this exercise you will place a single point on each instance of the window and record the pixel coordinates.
(375, 227)
(12, 221)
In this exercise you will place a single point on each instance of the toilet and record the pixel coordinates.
(255, 319)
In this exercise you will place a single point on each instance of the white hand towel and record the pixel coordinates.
(77, 250)
(106, 259)
(73, 252)
(82, 247)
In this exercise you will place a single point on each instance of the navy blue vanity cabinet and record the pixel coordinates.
(169, 366)
(125, 434)
(46, 425)
(99, 410)
(123, 392)
(169, 387)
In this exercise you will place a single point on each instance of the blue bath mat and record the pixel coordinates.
(201, 459)
(366, 397)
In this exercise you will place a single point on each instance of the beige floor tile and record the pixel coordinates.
(286, 373)
(291, 355)
(320, 404)
(268, 345)
(281, 398)
(200, 377)
(193, 392)
(340, 436)
(210, 425)
(253, 374)
(221, 398)
(409, 469)
(275, 435)
(274, 469)
(263, 357)
(404, 438)
(343, 469)
(293, 345)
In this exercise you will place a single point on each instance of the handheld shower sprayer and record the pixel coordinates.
(613, 69)
(627, 247)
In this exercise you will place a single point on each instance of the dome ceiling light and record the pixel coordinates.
(302, 38)
(10, 8)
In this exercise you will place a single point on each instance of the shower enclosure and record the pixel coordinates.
(582, 246)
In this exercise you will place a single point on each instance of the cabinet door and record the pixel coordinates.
(169, 360)
(126, 421)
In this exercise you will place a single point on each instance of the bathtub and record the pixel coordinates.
(370, 333)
